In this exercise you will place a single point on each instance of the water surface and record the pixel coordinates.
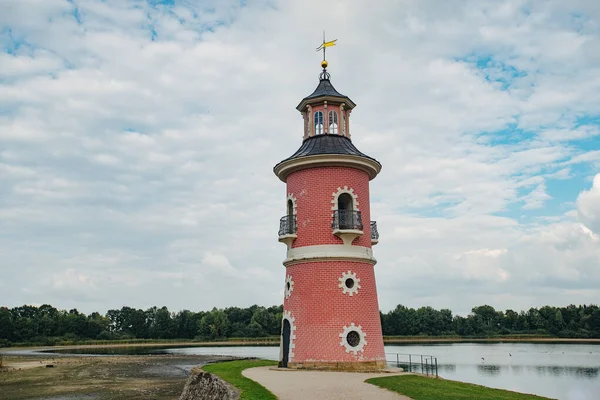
(561, 371)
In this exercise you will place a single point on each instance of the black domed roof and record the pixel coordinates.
(327, 144)
(325, 89)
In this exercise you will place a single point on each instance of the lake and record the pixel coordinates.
(561, 371)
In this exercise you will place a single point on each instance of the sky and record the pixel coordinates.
(137, 141)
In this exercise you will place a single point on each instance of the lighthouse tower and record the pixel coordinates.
(330, 310)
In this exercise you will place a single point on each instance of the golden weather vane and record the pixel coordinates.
(323, 46)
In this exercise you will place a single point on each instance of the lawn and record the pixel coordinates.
(231, 371)
(423, 388)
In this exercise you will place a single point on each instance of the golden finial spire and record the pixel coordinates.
(323, 46)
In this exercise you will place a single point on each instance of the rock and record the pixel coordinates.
(204, 386)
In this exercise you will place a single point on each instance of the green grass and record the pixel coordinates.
(231, 371)
(423, 388)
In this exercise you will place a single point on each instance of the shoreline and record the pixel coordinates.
(123, 377)
(9, 350)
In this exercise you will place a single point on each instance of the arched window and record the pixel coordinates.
(318, 123)
(345, 212)
(288, 223)
(333, 122)
(345, 202)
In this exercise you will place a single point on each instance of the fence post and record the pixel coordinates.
(410, 363)
(421, 363)
(436, 371)
(397, 360)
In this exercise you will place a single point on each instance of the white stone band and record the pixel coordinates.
(371, 167)
(327, 252)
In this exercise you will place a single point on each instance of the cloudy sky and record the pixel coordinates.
(137, 140)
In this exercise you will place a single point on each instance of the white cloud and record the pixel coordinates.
(536, 198)
(136, 147)
(495, 253)
(588, 206)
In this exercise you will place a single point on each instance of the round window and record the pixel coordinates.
(349, 283)
(353, 338)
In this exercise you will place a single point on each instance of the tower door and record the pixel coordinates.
(286, 343)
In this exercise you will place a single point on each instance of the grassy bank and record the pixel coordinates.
(231, 372)
(424, 388)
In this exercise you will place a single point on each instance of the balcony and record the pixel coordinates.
(287, 230)
(347, 225)
(374, 233)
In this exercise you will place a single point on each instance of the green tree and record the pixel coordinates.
(255, 330)
(186, 323)
(162, 325)
(6, 324)
(594, 322)
(266, 320)
(510, 320)
(214, 325)
(486, 317)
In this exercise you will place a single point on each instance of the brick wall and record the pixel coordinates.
(313, 189)
(321, 310)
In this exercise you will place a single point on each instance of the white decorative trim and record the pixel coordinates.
(361, 344)
(347, 235)
(370, 166)
(337, 194)
(310, 118)
(288, 315)
(321, 99)
(349, 275)
(293, 199)
(325, 118)
(343, 119)
(289, 286)
(305, 119)
(288, 240)
(348, 124)
(329, 252)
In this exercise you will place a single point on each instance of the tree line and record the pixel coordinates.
(582, 321)
(48, 325)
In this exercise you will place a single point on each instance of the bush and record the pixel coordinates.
(105, 335)
(579, 334)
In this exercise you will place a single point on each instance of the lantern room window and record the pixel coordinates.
(318, 123)
(333, 122)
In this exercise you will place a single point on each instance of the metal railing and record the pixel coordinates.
(374, 233)
(427, 365)
(347, 219)
(287, 225)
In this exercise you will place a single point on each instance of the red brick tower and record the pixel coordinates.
(331, 314)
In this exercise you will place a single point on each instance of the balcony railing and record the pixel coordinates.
(347, 220)
(287, 225)
(374, 233)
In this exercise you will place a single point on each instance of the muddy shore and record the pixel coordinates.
(51, 377)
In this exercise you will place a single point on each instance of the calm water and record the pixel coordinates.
(561, 371)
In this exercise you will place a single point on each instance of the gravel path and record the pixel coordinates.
(321, 385)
